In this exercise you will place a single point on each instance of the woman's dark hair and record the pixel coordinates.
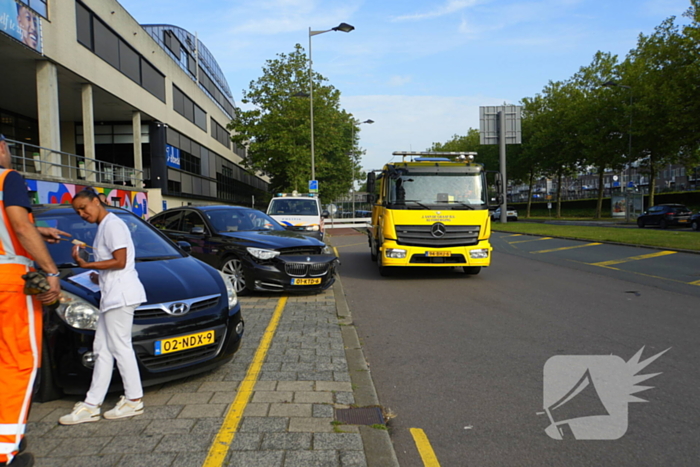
(89, 193)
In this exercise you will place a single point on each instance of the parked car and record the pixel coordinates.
(255, 251)
(298, 212)
(665, 215)
(695, 222)
(511, 213)
(191, 322)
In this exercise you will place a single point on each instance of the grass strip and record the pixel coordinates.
(674, 239)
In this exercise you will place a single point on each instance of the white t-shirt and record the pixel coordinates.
(120, 287)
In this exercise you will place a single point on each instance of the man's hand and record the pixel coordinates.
(53, 294)
(51, 234)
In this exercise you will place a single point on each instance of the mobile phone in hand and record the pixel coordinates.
(84, 255)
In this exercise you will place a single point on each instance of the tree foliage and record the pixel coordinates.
(277, 132)
(644, 110)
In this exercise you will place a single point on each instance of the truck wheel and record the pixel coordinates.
(384, 271)
(372, 252)
(472, 270)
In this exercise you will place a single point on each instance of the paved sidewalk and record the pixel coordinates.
(313, 365)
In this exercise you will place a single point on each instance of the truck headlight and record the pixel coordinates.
(395, 253)
(77, 312)
(262, 254)
(479, 254)
(230, 291)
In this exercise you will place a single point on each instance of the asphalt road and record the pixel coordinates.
(462, 357)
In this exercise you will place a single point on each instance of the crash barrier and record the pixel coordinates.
(355, 222)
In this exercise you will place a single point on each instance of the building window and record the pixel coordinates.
(188, 109)
(106, 44)
(220, 134)
(37, 5)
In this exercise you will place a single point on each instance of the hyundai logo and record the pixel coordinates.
(179, 308)
(438, 230)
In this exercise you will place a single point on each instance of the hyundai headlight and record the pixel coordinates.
(230, 290)
(262, 254)
(77, 312)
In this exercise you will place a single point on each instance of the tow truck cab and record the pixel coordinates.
(431, 210)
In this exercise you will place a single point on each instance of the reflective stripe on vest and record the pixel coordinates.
(9, 244)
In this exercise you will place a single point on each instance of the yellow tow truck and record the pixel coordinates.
(432, 210)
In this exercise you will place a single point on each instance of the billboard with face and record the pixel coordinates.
(20, 22)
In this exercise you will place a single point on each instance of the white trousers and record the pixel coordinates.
(113, 342)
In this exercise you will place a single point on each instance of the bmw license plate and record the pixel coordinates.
(438, 253)
(191, 341)
(314, 281)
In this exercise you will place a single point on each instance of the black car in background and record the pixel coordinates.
(695, 222)
(251, 248)
(665, 215)
(191, 322)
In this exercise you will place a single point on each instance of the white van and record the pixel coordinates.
(298, 212)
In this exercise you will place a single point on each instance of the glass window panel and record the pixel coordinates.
(129, 62)
(173, 137)
(186, 183)
(39, 6)
(106, 44)
(189, 109)
(84, 25)
(152, 80)
(200, 118)
(103, 129)
(103, 139)
(178, 101)
(123, 129)
(173, 175)
(123, 139)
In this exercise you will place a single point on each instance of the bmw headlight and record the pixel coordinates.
(327, 250)
(77, 312)
(262, 253)
(230, 291)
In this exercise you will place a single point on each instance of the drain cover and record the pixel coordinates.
(360, 416)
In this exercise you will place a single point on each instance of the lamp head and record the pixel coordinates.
(370, 121)
(344, 27)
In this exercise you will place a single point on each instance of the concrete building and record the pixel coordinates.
(91, 98)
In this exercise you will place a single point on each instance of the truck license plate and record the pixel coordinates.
(191, 341)
(306, 281)
(438, 253)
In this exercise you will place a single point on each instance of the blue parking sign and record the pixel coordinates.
(313, 186)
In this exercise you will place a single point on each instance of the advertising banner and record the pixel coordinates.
(172, 156)
(21, 23)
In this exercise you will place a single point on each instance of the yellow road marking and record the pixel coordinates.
(424, 448)
(533, 240)
(694, 283)
(224, 438)
(566, 248)
(606, 264)
(514, 235)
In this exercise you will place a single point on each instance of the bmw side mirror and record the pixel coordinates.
(197, 231)
(185, 246)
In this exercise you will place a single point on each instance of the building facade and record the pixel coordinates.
(91, 98)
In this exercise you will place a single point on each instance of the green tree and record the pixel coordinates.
(277, 132)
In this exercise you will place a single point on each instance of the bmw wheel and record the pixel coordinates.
(663, 224)
(640, 223)
(695, 225)
(233, 269)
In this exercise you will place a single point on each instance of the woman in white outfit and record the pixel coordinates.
(122, 292)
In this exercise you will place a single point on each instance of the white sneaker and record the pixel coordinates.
(125, 408)
(81, 413)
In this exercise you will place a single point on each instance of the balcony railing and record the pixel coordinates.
(58, 165)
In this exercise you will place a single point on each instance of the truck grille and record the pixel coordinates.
(304, 269)
(420, 235)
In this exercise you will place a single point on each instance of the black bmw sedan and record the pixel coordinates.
(191, 322)
(251, 248)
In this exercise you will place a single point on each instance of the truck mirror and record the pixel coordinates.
(371, 182)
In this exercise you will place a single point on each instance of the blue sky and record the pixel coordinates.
(419, 69)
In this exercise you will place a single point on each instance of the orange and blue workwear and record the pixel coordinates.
(20, 336)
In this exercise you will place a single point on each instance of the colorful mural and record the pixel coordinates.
(62, 193)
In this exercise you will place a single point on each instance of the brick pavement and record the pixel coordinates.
(288, 421)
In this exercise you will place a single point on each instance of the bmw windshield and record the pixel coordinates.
(149, 244)
(437, 188)
(236, 220)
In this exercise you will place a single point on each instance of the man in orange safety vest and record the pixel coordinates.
(21, 245)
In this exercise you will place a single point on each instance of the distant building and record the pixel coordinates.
(91, 98)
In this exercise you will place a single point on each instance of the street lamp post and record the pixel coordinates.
(352, 142)
(344, 27)
(612, 83)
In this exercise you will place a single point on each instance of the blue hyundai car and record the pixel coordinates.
(191, 322)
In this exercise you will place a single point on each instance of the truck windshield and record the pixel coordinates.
(417, 190)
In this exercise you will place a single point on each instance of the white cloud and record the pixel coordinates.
(397, 81)
(412, 123)
(452, 6)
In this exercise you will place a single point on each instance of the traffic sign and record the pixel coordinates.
(313, 186)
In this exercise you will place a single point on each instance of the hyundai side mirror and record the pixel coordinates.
(185, 246)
